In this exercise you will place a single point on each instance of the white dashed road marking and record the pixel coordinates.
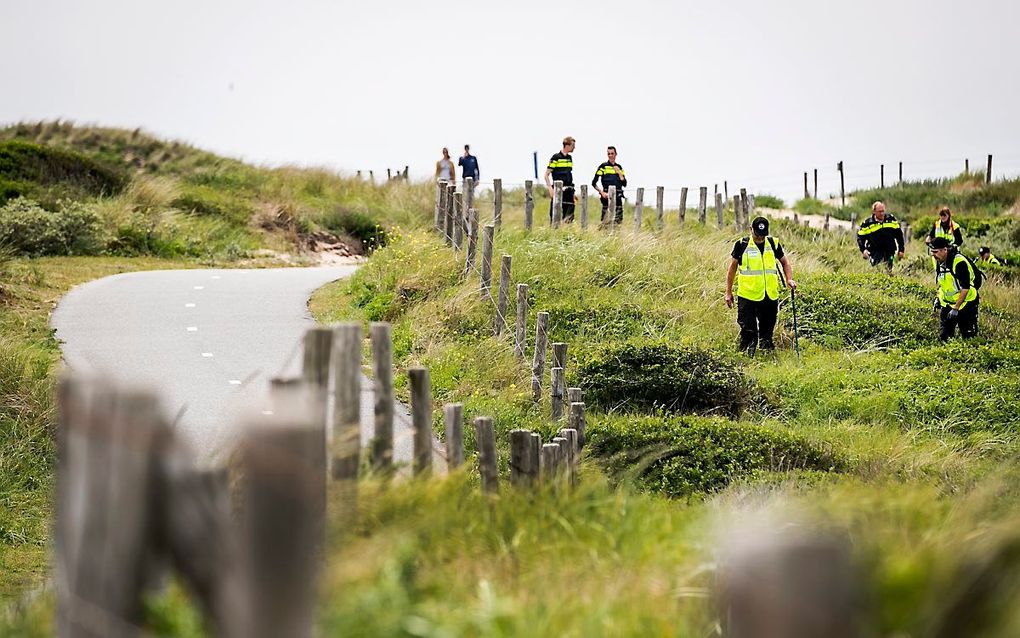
(199, 287)
(235, 382)
(215, 276)
(189, 305)
(206, 354)
(192, 328)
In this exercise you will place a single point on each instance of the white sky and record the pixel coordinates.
(691, 93)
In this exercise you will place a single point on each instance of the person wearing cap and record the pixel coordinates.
(985, 256)
(956, 290)
(880, 238)
(945, 227)
(754, 266)
(561, 169)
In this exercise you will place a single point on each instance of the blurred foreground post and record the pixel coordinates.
(497, 202)
(639, 206)
(421, 419)
(382, 368)
(529, 204)
(502, 297)
(702, 204)
(584, 206)
(660, 212)
(682, 215)
(538, 363)
(453, 421)
(485, 437)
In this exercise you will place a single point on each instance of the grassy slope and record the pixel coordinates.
(925, 436)
(175, 206)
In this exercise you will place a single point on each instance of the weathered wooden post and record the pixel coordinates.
(611, 209)
(557, 204)
(497, 202)
(807, 193)
(825, 226)
(520, 335)
(382, 368)
(842, 188)
(573, 395)
(453, 419)
(559, 358)
(573, 453)
(538, 363)
(485, 437)
(522, 472)
(472, 242)
(535, 455)
(750, 204)
(576, 421)
(389, 174)
(966, 166)
(683, 205)
(737, 213)
(486, 272)
(550, 470)
(440, 203)
(901, 172)
(346, 449)
(318, 343)
(881, 175)
(529, 204)
(660, 213)
(448, 214)
(702, 204)
(584, 206)
(639, 206)
(816, 183)
(988, 171)
(458, 220)
(718, 211)
(421, 420)
(745, 205)
(558, 387)
(503, 295)
(469, 192)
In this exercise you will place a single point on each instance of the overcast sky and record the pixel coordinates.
(692, 93)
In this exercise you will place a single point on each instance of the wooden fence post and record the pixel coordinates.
(825, 226)
(535, 456)
(559, 358)
(816, 183)
(453, 418)
(726, 190)
(558, 386)
(901, 172)
(881, 175)
(469, 192)
(573, 395)
(702, 204)
(497, 202)
(737, 213)
(389, 174)
(683, 205)
(842, 188)
(318, 343)
(745, 205)
(421, 420)
(584, 206)
(557, 204)
(718, 211)
(448, 215)
(458, 220)
(806, 193)
(502, 295)
(966, 166)
(639, 206)
(611, 208)
(485, 288)
(538, 364)
(576, 421)
(346, 403)
(522, 473)
(570, 436)
(988, 171)
(472, 242)
(382, 368)
(751, 204)
(485, 437)
(520, 335)
(529, 204)
(550, 462)
(440, 202)
(660, 213)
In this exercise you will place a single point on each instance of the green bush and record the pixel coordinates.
(28, 169)
(769, 201)
(692, 455)
(812, 206)
(357, 226)
(660, 376)
(28, 229)
(601, 321)
(205, 200)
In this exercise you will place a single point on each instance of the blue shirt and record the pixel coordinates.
(470, 166)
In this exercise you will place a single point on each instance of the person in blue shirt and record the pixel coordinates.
(469, 165)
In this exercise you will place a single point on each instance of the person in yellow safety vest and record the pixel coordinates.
(754, 265)
(945, 227)
(956, 290)
(986, 257)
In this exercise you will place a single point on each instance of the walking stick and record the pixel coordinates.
(796, 333)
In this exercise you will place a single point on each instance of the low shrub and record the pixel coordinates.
(44, 172)
(356, 225)
(28, 229)
(812, 206)
(601, 321)
(685, 456)
(205, 200)
(661, 376)
(769, 201)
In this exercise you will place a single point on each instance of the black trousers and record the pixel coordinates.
(568, 205)
(619, 209)
(883, 260)
(757, 321)
(967, 320)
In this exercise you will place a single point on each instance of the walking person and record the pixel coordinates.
(610, 174)
(445, 171)
(469, 165)
(945, 227)
(754, 267)
(561, 169)
(880, 238)
(956, 282)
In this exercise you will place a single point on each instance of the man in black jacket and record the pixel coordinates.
(611, 174)
(880, 238)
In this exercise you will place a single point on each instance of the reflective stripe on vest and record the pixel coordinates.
(758, 274)
(948, 234)
(949, 290)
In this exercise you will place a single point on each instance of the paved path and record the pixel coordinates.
(208, 340)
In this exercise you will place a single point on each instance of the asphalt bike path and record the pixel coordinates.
(208, 341)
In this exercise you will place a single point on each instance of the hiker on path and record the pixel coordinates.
(561, 169)
(880, 238)
(986, 257)
(956, 282)
(611, 174)
(469, 165)
(445, 171)
(945, 227)
(754, 265)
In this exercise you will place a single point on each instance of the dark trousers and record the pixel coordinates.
(757, 321)
(568, 205)
(605, 209)
(883, 260)
(967, 320)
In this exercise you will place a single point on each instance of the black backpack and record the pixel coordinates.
(979, 275)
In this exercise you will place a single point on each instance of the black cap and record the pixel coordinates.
(940, 242)
(983, 250)
(760, 226)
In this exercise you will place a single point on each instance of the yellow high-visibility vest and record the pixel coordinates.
(758, 274)
(949, 290)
